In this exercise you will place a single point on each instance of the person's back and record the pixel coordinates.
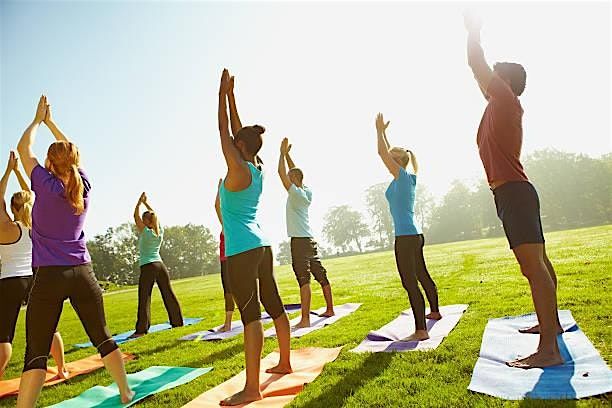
(16, 257)
(401, 196)
(149, 245)
(57, 232)
(298, 204)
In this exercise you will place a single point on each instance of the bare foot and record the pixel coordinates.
(302, 324)
(63, 373)
(128, 397)
(328, 313)
(417, 336)
(537, 360)
(242, 397)
(536, 330)
(433, 316)
(224, 329)
(136, 335)
(280, 369)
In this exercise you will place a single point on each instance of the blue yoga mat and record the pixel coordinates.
(124, 337)
(584, 373)
(144, 383)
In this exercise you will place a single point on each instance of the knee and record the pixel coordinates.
(35, 363)
(106, 347)
(249, 309)
(322, 279)
(303, 280)
(530, 268)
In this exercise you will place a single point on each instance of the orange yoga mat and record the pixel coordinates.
(278, 390)
(84, 366)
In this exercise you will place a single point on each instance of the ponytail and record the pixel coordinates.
(21, 205)
(74, 190)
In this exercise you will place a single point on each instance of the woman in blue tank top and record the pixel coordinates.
(409, 239)
(249, 256)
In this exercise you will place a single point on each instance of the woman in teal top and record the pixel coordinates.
(152, 270)
(249, 257)
(409, 239)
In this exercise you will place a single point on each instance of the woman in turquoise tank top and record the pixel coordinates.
(409, 240)
(249, 256)
(152, 270)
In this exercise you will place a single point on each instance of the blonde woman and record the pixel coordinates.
(152, 270)
(60, 257)
(409, 240)
(16, 266)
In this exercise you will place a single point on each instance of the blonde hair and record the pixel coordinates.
(21, 206)
(402, 155)
(154, 221)
(63, 161)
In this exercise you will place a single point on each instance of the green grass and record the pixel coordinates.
(481, 273)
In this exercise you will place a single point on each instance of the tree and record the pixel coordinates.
(284, 253)
(424, 206)
(378, 207)
(344, 226)
(189, 250)
(454, 219)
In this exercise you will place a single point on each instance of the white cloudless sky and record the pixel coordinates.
(135, 84)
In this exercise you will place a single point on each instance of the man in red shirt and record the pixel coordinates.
(499, 140)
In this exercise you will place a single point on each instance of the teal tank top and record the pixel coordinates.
(239, 211)
(149, 244)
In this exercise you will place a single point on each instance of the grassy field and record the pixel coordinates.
(481, 273)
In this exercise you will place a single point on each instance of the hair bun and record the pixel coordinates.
(259, 129)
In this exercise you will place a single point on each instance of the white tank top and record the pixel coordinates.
(16, 258)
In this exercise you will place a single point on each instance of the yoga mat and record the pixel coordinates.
(277, 390)
(388, 338)
(75, 368)
(144, 383)
(584, 373)
(124, 337)
(317, 322)
(237, 328)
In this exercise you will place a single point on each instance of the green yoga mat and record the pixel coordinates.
(144, 383)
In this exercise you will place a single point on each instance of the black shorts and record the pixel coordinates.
(13, 293)
(518, 207)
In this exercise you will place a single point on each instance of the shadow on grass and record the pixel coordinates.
(351, 381)
(223, 354)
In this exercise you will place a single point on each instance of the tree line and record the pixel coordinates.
(574, 190)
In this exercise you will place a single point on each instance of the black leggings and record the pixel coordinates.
(227, 293)
(13, 293)
(150, 274)
(411, 266)
(53, 285)
(245, 269)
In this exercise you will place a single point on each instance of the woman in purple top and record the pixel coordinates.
(61, 260)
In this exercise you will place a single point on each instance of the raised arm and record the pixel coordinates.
(22, 182)
(475, 54)
(383, 146)
(282, 169)
(413, 160)
(57, 133)
(231, 154)
(290, 162)
(12, 161)
(24, 147)
(235, 122)
(137, 219)
(218, 204)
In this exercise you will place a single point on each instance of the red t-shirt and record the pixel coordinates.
(500, 134)
(222, 256)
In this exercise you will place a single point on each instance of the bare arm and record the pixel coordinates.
(235, 122)
(4, 216)
(57, 133)
(24, 147)
(22, 182)
(383, 147)
(475, 55)
(290, 162)
(218, 204)
(231, 154)
(137, 219)
(282, 169)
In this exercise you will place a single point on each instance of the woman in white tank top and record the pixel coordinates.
(16, 266)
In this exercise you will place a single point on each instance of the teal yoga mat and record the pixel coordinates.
(144, 383)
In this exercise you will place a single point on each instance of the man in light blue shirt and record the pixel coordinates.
(304, 249)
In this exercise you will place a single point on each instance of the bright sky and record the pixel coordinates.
(135, 86)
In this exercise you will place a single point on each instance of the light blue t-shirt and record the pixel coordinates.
(239, 212)
(149, 245)
(401, 196)
(298, 201)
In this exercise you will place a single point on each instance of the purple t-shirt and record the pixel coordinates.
(57, 233)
